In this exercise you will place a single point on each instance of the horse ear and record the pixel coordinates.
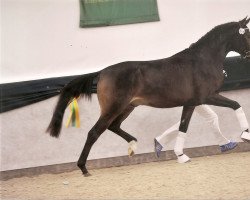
(244, 21)
(247, 21)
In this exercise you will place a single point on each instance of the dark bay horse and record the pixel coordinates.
(189, 78)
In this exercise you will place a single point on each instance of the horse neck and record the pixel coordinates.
(213, 49)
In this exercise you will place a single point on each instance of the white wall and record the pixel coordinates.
(42, 38)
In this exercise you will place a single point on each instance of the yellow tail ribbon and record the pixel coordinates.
(74, 117)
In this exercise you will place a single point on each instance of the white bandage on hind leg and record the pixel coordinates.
(242, 119)
(179, 144)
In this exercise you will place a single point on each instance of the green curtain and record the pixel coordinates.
(95, 13)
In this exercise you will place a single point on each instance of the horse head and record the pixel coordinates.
(240, 42)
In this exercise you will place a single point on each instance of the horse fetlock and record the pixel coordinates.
(183, 158)
(87, 175)
(132, 147)
(83, 168)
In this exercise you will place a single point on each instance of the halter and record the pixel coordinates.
(242, 31)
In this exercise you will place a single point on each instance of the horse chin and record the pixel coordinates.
(246, 55)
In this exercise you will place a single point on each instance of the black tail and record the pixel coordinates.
(79, 86)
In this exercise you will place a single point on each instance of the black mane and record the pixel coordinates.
(217, 34)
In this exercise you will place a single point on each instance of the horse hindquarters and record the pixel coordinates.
(114, 98)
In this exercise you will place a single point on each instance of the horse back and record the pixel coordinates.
(175, 81)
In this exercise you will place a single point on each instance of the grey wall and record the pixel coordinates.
(25, 144)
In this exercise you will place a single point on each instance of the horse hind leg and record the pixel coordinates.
(101, 125)
(110, 110)
(115, 127)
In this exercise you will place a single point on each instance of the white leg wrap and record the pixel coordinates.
(245, 136)
(179, 144)
(178, 148)
(242, 119)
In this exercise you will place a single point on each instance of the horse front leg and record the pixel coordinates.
(180, 140)
(218, 100)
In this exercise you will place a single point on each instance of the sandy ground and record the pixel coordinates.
(216, 177)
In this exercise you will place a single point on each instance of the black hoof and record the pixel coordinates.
(87, 174)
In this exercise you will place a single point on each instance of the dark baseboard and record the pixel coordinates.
(118, 161)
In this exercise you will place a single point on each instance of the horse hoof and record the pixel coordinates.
(158, 148)
(183, 159)
(228, 146)
(245, 136)
(131, 153)
(87, 174)
(132, 147)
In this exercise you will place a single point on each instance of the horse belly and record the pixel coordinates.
(164, 87)
(162, 99)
